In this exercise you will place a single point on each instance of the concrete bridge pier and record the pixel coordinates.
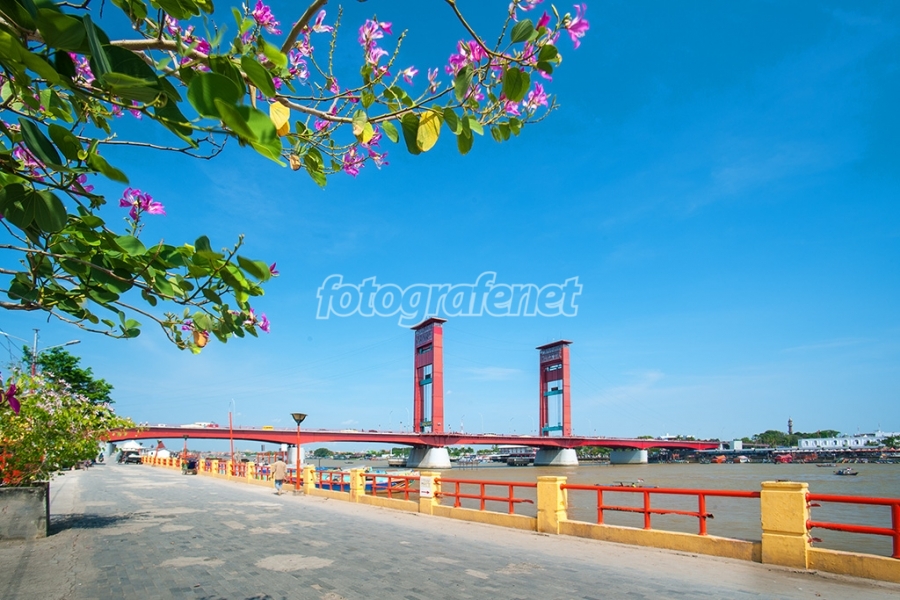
(108, 450)
(628, 456)
(424, 457)
(556, 457)
(292, 456)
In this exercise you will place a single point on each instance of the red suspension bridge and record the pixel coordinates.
(554, 440)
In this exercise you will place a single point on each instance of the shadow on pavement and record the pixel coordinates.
(60, 523)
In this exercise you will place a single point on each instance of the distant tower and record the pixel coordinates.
(790, 426)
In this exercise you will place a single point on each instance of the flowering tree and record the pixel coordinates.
(55, 428)
(66, 83)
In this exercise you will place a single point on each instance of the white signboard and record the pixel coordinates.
(426, 487)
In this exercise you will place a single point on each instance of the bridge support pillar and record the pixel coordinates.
(108, 451)
(628, 457)
(428, 458)
(556, 457)
(292, 457)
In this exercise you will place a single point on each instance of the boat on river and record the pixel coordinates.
(846, 471)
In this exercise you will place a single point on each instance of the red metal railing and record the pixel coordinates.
(392, 484)
(893, 503)
(647, 510)
(329, 480)
(509, 499)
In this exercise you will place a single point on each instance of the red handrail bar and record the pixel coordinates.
(647, 510)
(511, 485)
(892, 532)
(389, 480)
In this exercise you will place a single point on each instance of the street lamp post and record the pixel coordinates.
(34, 351)
(298, 418)
(231, 436)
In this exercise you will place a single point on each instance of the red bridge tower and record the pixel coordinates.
(428, 397)
(554, 389)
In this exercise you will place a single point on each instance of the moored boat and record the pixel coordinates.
(846, 471)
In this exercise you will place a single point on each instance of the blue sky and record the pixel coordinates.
(721, 177)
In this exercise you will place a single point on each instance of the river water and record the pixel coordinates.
(733, 517)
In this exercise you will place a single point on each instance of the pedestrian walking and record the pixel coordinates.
(279, 472)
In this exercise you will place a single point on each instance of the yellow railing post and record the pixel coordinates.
(309, 479)
(357, 484)
(551, 503)
(429, 491)
(215, 467)
(784, 513)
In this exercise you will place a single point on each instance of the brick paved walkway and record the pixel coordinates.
(130, 531)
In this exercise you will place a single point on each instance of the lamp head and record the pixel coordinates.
(298, 417)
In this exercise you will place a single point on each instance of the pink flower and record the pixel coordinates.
(82, 68)
(523, 5)
(408, 74)
(352, 162)
(81, 180)
(334, 88)
(188, 325)
(535, 98)
(264, 323)
(543, 21)
(433, 83)
(512, 108)
(140, 203)
(10, 396)
(578, 26)
(134, 112)
(273, 271)
(318, 27)
(265, 19)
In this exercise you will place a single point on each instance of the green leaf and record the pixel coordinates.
(515, 84)
(98, 163)
(211, 295)
(15, 206)
(19, 14)
(180, 9)
(475, 125)
(464, 143)
(99, 60)
(390, 131)
(223, 66)
(131, 245)
(522, 31)
(206, 88)
(258, 75)
(452, 121)
(255, 268)
(548, 53)
(42, 148)
(318, 177)
(462, 82)
(274, 54)
(231, 116)
(410, 125)
(60, 30)
(49, 212)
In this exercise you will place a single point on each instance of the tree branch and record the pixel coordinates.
(301, 24)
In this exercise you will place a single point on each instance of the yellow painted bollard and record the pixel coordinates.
(551, 503)
(357, 484)
(251, 472)
(215, 467)
(429, 491)
(309, 479)
(784, 512)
